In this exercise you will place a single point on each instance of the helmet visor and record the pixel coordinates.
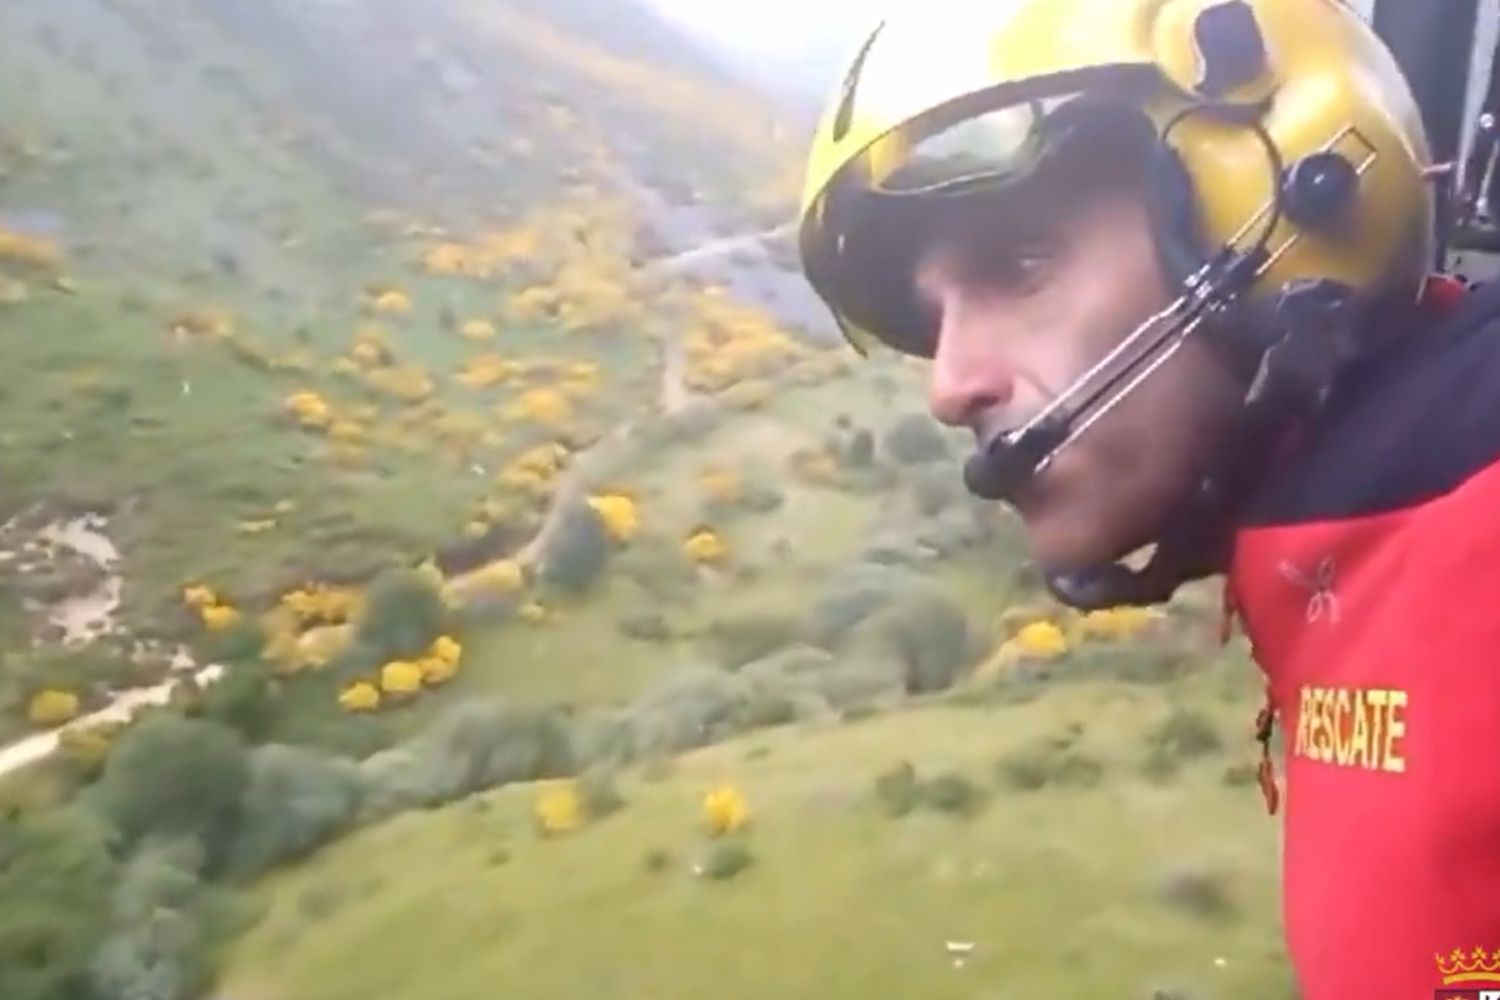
(873, 222)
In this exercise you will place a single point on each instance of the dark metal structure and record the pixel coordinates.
(1434, 42)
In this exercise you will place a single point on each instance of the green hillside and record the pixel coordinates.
(410, 403)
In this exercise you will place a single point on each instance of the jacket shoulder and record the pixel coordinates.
(1409, 427)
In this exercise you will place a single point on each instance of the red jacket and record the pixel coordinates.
(1367, 578)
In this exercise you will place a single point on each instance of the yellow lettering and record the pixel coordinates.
(1340, 730)
(1394, 730)
(1330, 725)
(1301, 745)
(1377, 701)
(1361, 738)
(1316, 727)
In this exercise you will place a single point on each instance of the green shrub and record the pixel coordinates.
(859, 453)
(318, 902)
(243, 700)
(167, 926)
(743, 639)
(296, 800)
(577, 549)
(929, 635)
(1239, 775)
(897, 789)
(725, 860)
(657, 860)
(1049, 762)
(175, 777)
(1184, 735)
(474, 746)
(914, 439)
(954, 794)
(1198, 892)
(599, 792)
(497, 857)
(404, 613)
(934, 492)
(55, 878)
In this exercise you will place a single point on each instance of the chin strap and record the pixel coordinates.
(1316, 320)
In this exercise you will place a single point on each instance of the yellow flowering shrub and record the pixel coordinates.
(367, 354)
(705, 546)
(721, 486)
(322, 604)
(30, 252)
(498, 579)
(391, 303)
(51, 708)
(751, 394)
(437, 671)
(445, 259)
(620, 516)
(360, 697)
(725, 810)
(256, 526)
(483, 371)
(537, 465)
(1041, 640)
(478, 330)
(218, 617)
(559, 807)
(815, 466)
(407, 384)
(87, 747)
(400, 678)
(311, 410)
(1116, 624)
(534, 613)
(543, 406)
(321, 645)
(446, 648)
(198, 596)
(210, 322)
(347, 432)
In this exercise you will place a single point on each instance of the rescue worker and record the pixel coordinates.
(1169, 261)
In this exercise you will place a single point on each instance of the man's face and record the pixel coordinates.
(1024, 298)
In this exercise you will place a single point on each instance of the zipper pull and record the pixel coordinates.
(1231, 611)
(1265, 725)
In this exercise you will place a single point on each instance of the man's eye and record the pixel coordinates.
(1020, 267)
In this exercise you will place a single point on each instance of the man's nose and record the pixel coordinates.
(970, 374)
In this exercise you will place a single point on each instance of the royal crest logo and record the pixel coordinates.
(1477, 966)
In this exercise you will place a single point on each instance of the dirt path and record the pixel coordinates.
(81, 618)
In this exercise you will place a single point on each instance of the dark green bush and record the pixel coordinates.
(174, 777)
(599, 792)
(295, 801)
(954, 794)
(935, 492)
(1184, 735)
(404, 612)
(1049, 762)
(1198, 892)
(577, 549)
(657, 860)
(914, 439)
(743, 639)
(55, 879)
(897, 789)
(725, 860)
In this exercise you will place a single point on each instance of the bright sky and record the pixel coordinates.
(774, 24)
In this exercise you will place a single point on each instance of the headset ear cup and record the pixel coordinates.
(1173, 205)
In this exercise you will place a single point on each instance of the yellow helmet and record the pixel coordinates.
(1280, 123)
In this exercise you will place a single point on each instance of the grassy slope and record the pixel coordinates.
(1057, 888)
(157, 140)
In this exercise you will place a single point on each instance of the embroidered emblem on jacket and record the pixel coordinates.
(1322, 601)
